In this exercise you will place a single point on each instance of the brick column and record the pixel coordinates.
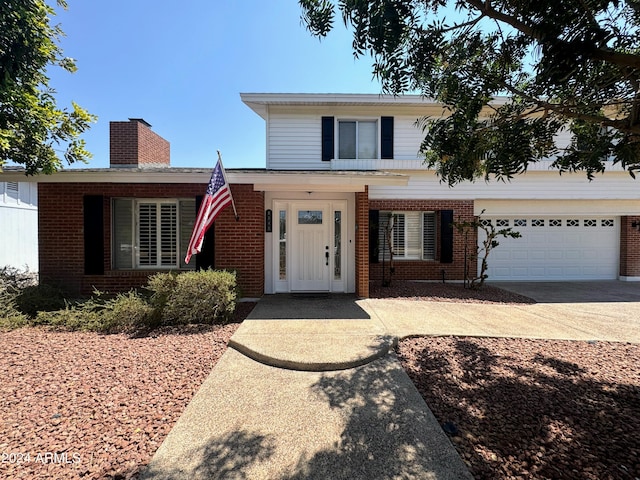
(629, 248)
(362, 243)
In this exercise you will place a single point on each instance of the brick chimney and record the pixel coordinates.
(133, 144)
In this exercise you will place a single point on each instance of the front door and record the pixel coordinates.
(311, 247)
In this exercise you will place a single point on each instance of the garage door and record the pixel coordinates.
(556, 248)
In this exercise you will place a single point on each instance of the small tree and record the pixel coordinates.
(482, 251)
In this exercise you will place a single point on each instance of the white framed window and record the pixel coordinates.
(151, 233)
(357, 139)
(412, 235)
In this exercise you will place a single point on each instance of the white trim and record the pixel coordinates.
(624, 278)
(261, 178)
(344, 202)
(599, 207)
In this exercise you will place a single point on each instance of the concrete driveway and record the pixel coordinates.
(607, 311)
(611, 291)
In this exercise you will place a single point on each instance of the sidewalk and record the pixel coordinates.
(342, 407)
(359, 417)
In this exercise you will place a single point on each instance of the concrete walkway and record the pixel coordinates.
(337, 403)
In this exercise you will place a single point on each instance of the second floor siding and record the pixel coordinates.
(294, 135)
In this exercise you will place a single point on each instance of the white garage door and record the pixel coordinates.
(556, 248)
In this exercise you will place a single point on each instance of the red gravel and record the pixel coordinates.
(531, 409)
(446, 292)
(84, 405)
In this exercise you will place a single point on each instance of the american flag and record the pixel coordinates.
(217, 198)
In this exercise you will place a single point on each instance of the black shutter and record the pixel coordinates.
(327, 138)
(374, 246)
(386, 140)
(446, 236)
(206, 258)
(93, 212)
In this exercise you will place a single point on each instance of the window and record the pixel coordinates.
(555, 222)
(357, 139)
(412, 235)
(150, 233)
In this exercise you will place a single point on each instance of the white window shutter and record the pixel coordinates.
(428, 236)
(147, 234)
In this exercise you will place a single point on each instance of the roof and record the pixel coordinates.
(262, 179)
(259, 102)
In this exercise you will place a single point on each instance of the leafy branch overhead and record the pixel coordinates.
(565, 65)
(33, 128)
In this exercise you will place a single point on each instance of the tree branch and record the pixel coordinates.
(603, 54)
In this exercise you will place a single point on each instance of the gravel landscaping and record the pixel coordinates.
(532, 409)
(527, 409)
(87, 406)
(91, 406)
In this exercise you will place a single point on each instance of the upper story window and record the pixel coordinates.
(151, 233)
(357, 139)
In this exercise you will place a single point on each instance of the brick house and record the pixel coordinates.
(339, 169)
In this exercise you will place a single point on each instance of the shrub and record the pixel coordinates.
(205, 296)
(10, 317)
(14, 278)
(129, 312)
(11, 281)
(124, 313)
(40, 298)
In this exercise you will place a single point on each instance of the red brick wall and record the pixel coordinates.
(61, 235)
(429, 269)
(362, 243)
(629, 247)
(240, 245)
(134, 143)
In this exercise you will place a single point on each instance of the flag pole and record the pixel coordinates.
(224, 174)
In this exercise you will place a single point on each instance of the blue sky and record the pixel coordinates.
(182, 66)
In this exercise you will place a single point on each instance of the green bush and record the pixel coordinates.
(194, 297)
(11, 281)
(72, 317)
(40, 298)
(127, 312)
(10, 317)
(205, 296)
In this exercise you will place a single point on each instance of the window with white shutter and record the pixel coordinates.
(412, 237)
(151, 233)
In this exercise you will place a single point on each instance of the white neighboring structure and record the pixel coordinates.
(19, 225)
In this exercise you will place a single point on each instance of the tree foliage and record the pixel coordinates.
(32, 126)
(563, 65)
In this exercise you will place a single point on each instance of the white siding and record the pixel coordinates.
(294, 134)
(19, 225)
(294, 142)
(532, 185)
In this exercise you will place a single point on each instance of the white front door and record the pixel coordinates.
(311, 249)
